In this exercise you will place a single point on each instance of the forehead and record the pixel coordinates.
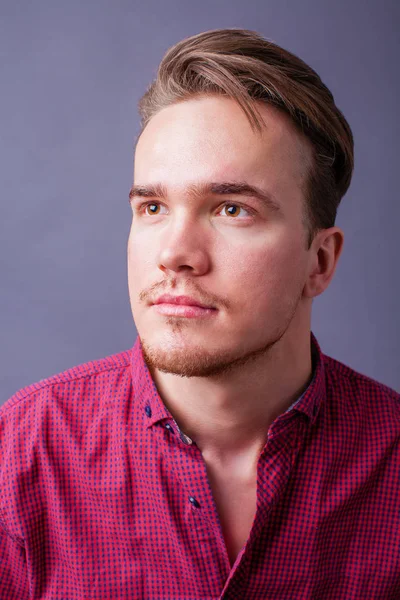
(210, 139)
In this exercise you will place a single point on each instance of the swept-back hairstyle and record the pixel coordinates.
(246, 67)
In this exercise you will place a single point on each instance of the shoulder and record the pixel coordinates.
(345, 376)
(73, 375)
(44, 429)
(73, 394)
(360, 397)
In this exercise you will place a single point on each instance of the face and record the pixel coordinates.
(200, 230)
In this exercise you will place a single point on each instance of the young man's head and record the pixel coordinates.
(241, 164)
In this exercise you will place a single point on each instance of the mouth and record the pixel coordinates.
(183, 306)
(184, 310)
(181, 301)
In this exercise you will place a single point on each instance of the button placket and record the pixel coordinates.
(202, 517)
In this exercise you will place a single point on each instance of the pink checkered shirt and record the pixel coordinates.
(102, 497)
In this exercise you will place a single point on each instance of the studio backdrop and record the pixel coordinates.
(71, 75)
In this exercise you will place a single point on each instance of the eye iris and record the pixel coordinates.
(235, 208)
(151, 206)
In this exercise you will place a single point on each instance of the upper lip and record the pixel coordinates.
(182, 300)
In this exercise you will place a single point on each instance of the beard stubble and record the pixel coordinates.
(200, 362)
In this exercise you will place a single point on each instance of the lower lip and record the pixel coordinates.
(183, 310)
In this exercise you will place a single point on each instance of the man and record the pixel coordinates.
(224, 456)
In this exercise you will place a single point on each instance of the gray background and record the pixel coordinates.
(71, 75)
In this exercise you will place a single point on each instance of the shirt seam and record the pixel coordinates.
(45, 386)
(364, 378)
(26, 396)
(3, 526)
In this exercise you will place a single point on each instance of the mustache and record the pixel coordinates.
(182, 289)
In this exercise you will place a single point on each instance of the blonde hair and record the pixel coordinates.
(244, 66)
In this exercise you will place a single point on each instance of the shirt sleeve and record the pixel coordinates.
(14, 583)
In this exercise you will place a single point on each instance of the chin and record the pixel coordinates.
(184, 361)
(194, 361)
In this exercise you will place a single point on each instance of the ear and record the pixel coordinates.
(325, 251)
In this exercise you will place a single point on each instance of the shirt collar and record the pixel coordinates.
(145, 390)
(149, 400)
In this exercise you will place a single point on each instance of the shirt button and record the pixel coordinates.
(194, 502)
(148, 411)
(168, 426)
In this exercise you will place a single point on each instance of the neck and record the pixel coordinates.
(230, 415)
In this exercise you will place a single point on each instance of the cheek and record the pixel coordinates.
(262, 274)
(139, 263)
(139, 250)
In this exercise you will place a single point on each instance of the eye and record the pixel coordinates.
(150, 208)
(234, 209)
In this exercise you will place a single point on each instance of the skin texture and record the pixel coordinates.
(226, 378)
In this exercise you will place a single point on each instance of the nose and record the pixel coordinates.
(184, 247)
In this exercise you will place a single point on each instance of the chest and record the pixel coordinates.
(235, 498)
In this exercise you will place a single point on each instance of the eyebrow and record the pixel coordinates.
(224, 188)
